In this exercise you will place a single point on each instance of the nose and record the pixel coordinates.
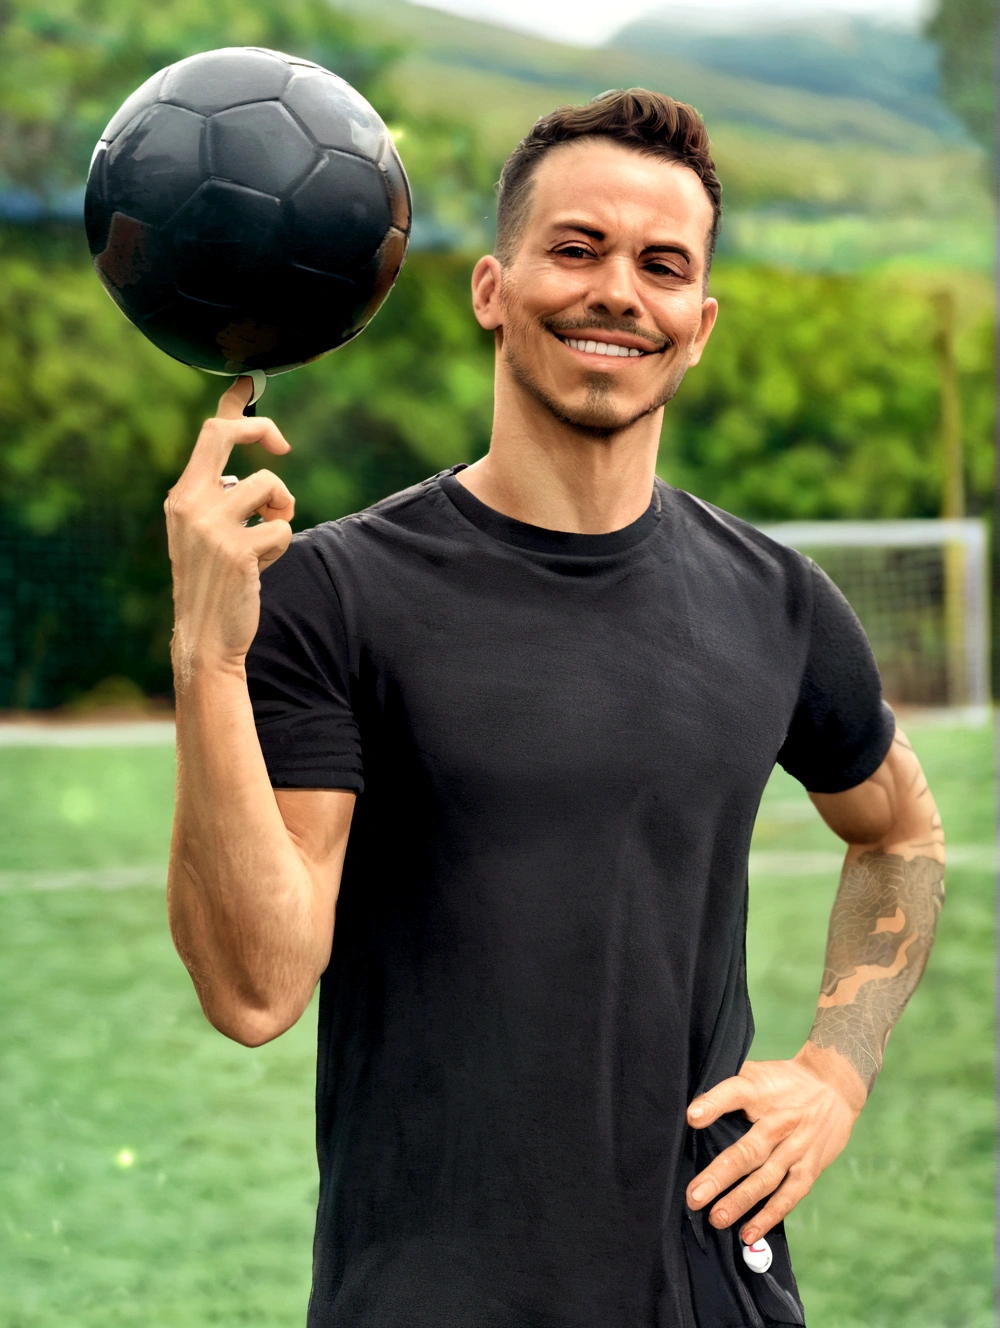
(614, 290)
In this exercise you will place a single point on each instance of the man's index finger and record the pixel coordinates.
(215, 441)
(234, 399)
(729, 1095)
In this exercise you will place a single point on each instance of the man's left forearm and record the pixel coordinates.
(881, 932)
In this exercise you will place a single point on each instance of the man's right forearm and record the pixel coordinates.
(251, 902)
(249, 920)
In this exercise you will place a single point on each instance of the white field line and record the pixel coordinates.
(143, 733)
(160, 732)
(97, 878)
(763, 863)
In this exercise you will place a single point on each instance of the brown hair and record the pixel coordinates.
(648, 122)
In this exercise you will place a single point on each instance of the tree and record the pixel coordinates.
(819, 397)
(66, 65)
(965, 31)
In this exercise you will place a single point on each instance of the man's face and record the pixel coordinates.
(602, 310)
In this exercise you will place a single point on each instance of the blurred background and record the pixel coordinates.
(153, 1173)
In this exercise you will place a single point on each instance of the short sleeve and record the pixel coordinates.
(841, 728)
(298, 674)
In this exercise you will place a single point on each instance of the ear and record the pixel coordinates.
(709, 313)
(486, 277)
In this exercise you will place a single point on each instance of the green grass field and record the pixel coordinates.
(154, 1174)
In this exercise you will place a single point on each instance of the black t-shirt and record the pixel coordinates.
(559, 743)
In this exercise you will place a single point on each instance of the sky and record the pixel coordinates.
(590, 22)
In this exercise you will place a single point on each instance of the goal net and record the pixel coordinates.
(920, 590)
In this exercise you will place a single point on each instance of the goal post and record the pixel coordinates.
(920, 588)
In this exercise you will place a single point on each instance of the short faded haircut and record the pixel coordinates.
(648, 122)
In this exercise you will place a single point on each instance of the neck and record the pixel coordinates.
(555, 475)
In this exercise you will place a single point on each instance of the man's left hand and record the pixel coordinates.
(802, 1111)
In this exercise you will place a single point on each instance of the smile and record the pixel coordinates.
(591, 346)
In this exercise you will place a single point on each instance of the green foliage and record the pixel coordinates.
(410, 397)
(66, 65)
(966, 31)
(94, 421)
(97, 424)
(818, 397)
(90, 411)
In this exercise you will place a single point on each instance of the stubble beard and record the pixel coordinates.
(599, 415)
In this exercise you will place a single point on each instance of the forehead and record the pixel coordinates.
(618, 188)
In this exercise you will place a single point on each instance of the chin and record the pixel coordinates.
(600, 415)
(600, 412)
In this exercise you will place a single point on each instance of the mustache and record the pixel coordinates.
(629, 326)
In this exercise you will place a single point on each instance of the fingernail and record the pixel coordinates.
(695, 1112)
(720, 1219)
(701, 1193)
(749, 1236)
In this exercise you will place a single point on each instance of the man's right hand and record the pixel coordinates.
(217, 560)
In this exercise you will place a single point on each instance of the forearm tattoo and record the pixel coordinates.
(881, 932)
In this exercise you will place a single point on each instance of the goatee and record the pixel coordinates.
(599, 415)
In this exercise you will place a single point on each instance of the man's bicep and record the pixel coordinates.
(318, 822)
(862, 814)
(892, 807)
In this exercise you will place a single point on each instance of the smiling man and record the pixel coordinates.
(508, 730)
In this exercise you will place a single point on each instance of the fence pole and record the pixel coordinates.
(952, 501)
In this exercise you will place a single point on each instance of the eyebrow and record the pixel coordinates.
(668, 249)
(595, 234)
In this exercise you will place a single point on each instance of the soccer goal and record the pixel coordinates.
(920, 588)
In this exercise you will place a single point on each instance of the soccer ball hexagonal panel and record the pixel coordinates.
(294, 60)
(259, 145)
(335, 115)
(223, 213)
(144, 96)
(340, 214)
(217, 80)
(190, 330)
(154, 165)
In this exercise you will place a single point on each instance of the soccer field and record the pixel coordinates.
(153, 1173)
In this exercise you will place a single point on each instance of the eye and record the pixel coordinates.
(659, 269)
(574, 251)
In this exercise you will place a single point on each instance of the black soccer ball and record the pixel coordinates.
(247, 210)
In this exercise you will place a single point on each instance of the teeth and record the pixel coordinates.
(603, 348)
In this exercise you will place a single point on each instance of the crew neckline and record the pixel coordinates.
(539, 539)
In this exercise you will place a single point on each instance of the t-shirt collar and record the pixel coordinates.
(538, 539)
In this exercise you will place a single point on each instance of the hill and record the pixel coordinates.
(816, 174)
(844, 57)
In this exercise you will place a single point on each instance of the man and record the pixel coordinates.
(520, 716)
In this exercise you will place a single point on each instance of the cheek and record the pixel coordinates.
(544, 291)
(681, 319)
